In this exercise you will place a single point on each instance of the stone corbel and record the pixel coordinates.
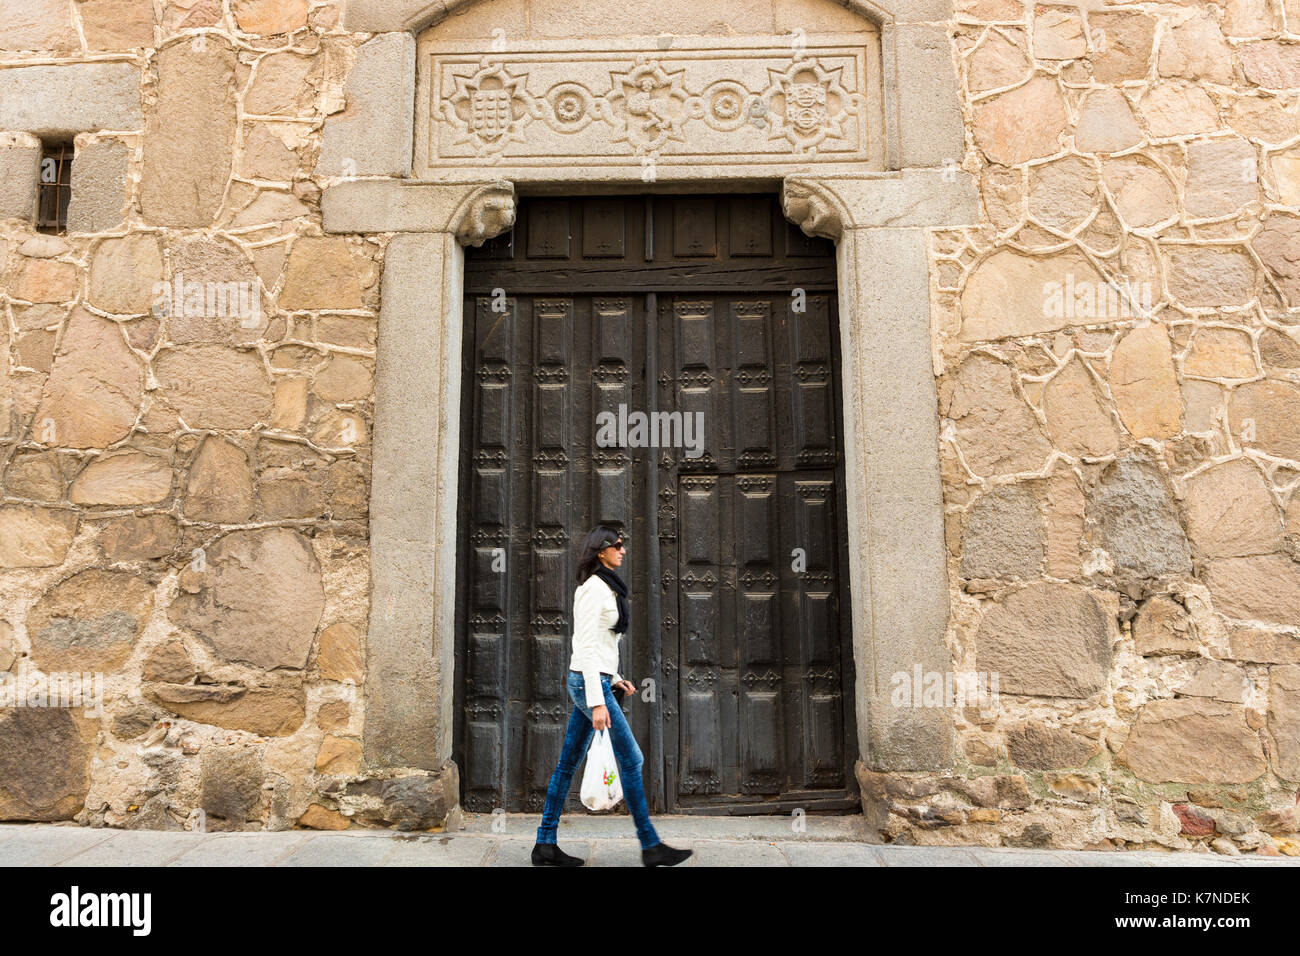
(813, 208)
(487, 212)
(472, 212)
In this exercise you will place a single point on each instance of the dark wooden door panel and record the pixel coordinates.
(691, 306)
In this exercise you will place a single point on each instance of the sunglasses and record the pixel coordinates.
(617, 546)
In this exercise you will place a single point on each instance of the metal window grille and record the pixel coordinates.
(55, 188)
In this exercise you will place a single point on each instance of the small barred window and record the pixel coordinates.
(55, 188)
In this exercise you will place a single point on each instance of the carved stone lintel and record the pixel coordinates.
(812, 208)
(486, 212)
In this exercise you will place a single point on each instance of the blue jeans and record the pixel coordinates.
(576, 741)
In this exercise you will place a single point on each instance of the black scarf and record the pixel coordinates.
(619, 587)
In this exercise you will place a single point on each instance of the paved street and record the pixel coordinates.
(602, 841)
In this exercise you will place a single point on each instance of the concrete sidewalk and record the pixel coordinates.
(507, 840)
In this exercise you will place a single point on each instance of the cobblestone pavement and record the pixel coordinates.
(602, 841)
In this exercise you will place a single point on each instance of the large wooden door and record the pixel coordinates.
(713, 310)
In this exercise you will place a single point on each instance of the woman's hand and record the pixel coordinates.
(628, 688)
(600, 717)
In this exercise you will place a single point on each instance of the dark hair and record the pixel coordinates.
(597, 540)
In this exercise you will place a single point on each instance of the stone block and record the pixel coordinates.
(373, 135)
(188, 139)
(1106, 123)
(44, 25)
(98, 186)
(20, 170)
(116, 24)
(133, 538)
(1058, 33)
(995, 428)
(231, 783)
(1197, 50)
(1049, 640)
(1143, 194)
(124, 273)
(1231, 512)
(927, 96)
(89, 622)
(1193, 741)
(1127, 45)
(1021, 124)
(220, 486)
(997, 63)
(267, 711)
(169, 663)
(383, 16)
(1063, 193)
(1217, 679)
(423, 802)
(322, 274)
(210, 386)
(44, 764)
(1012, 294)
(1004, 535)
(1263, 647)
(1271, 64)
(338, 756)
(1038, 747)
(1132, 516)
(340, 657)
(125, 477)
(1260, 587)
(32, 537)
(1078, 416)
(1221, 177)
(1219, 352)
(1162, 627)
(42, 280)
(70, 98)
(258, 601)
(1171, 109)
(1145, 385)
(1209, 277)
(317, 817)
(1276, 244)
(267, 17)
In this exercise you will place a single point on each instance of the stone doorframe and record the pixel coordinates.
(897, 555)
(878, 220)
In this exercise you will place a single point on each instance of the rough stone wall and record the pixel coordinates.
(1122, 470)
(185, 483)
(185, 496)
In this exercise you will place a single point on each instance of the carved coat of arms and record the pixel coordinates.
(808, 105)
(490, 113)
(488, 109)
(807, 108)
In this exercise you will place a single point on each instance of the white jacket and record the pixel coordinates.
(595, 642)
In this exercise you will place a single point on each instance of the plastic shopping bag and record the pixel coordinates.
(602, 788)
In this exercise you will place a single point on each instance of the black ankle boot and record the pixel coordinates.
(661, 854)
(548, 854)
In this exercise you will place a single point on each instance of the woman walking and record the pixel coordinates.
(600, 617)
